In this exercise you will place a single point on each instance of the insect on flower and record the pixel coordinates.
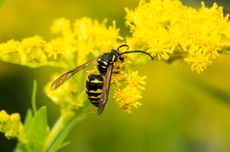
(98, 85)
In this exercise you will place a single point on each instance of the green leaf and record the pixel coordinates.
(38, 130)
(63, 145)
(20, 146)
(28, 119)
(58, 142)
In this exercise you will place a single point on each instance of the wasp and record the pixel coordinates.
(98, 85)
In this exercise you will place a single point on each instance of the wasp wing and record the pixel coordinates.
(105, 90)
(63, 78)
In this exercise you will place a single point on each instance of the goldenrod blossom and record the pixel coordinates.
(11, 125)
(127, 96)
(167, 28)
(199, 58)
(69, 96)
(73, 44)
(133, 79)
(30, 52)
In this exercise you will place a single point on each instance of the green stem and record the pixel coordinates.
(33, 98)
(59, 126)
(65, 122)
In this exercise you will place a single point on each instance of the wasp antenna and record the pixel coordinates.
(123, 45)
(138, 51)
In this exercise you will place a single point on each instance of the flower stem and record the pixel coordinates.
(62, 127)
(59, 126)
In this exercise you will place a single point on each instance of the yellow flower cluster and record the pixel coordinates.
(29, 52)
(69, 96)
(73, 42)
(167, 29)
(127, 96)
(85, 37)
(170, 30)
(11, 125)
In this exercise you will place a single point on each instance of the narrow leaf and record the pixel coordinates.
(28, 119)
(38, 130)
(63, 145)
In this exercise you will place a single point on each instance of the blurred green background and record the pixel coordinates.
(182, 111)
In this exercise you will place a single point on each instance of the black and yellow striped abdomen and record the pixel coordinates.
(94, 86)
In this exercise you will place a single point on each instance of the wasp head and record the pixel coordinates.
(117, 56)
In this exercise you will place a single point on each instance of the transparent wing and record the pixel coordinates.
(63, 78)
(105, 90)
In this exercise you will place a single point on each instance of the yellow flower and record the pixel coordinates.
(73, 43)
(11, 125)
(61, 25)
(167, 28)
(94, 37)
(199, 59)
(31, 51)
(69, 96)
(135, 81)
(127, 96)
(9, 52)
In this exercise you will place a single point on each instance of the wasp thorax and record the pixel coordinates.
(105, 60)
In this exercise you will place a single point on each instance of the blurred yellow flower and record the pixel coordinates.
(69, 96)
(73, 43)
(30, 52)
(86, 37)
(11, 125)
(169, 29)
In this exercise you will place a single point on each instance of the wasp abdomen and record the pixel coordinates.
(94, 86)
